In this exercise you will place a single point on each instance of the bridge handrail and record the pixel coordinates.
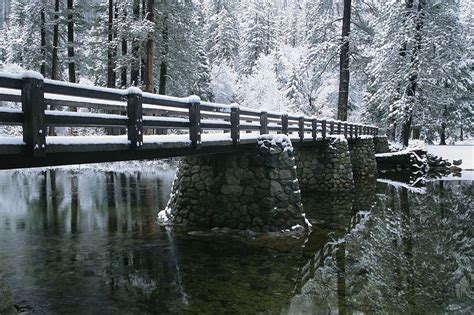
(135, 110)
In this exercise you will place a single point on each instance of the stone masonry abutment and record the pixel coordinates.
(326, 166)
(259, 190)
(362, 152)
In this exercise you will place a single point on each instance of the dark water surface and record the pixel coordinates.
(88, 242)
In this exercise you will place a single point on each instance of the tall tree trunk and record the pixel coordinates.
(70, 50)
(123, 74)
(416, 132)
(70, 41)
(123, 70)
(344, 74)
(149, 86)
(442, 134)
(43, 42)
(402, 52)
(111, 76)
(164, 55)
(134, 71)
(54, 61)
(413, 78)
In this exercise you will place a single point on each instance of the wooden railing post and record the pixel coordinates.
(235, 123)
(135, 118)
(284, 124)
(345, 130)
(356, 131)
(301, 128)
(314, 128)
(351, 127)
(339, 129)
(195, 122)
(323, 129)
(331, 127)
(33, 106)
(376, 131)
(263, 122)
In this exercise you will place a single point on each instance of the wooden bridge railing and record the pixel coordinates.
(139, 111)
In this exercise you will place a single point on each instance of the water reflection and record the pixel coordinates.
(85, 242)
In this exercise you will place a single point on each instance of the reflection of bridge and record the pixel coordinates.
(137, 113)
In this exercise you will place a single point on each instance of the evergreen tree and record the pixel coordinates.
(258, 31)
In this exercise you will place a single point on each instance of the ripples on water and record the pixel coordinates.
(89, 243)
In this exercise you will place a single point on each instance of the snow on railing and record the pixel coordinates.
(136, 111)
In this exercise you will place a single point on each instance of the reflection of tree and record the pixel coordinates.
(415, 259)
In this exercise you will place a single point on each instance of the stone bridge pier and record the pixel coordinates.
(259, 190)
(256, 190)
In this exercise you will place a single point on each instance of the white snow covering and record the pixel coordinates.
(133, 90)
(10, 110)
(6, 91)
(31, 75)
(276, 139)
(455, 152)
(84, 115)
(365, 137)
(59, 97)
(168, 119)
(167, 139)
(402, 152)
(87, 140)
(419, 190)
(11, 141)
(194, 99)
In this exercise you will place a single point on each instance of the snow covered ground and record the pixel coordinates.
(455, 152)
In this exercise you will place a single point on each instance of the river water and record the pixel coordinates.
(88, 242)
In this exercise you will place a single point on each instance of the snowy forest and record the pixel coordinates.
(407, 64)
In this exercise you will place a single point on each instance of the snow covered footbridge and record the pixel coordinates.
(329, 155)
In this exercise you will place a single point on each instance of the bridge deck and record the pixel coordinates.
(199, 127)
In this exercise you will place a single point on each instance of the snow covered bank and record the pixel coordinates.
(455, 152)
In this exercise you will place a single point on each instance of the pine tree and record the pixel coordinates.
(258, 32)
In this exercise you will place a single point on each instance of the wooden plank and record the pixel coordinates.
(301, 128)
(249, 127)
(33, 107)
(216, 126)
(274, 128)
(59, 119)
(339, 128)
(164, 123)
(82, 104)
(331, 127)
(284, 124)
(195, 123)
(345, 130)
(274, 115)
(72, 89)
(10, 98)
(249, 112)
(166, 101)
(10, 83)
(11, 118)
(135, 120)
(263, 122)
(323, 128)
(314, 128)
(235, 124)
